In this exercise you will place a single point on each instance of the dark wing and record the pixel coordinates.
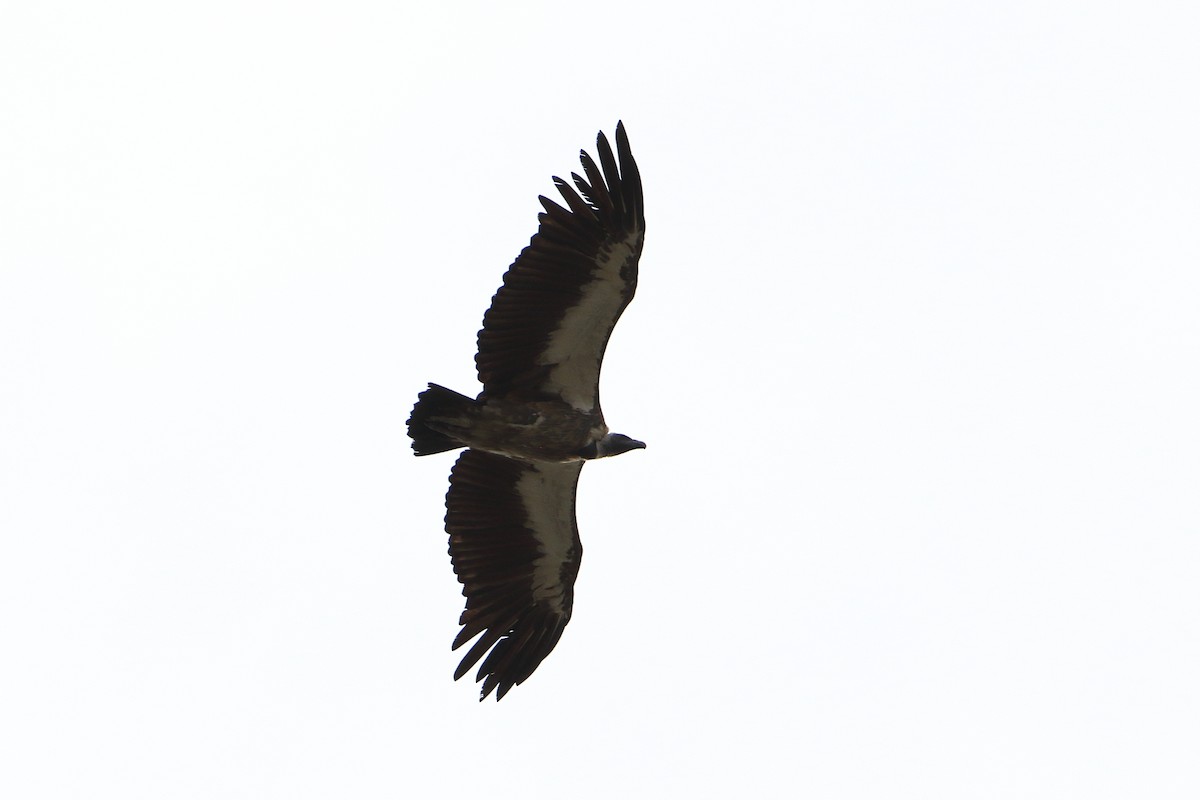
(545, 333)
(516, 550)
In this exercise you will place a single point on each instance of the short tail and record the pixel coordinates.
(436, 401)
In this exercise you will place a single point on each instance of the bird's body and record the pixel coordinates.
(536, 430)
(510, 511)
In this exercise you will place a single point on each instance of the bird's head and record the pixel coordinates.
(613, 444)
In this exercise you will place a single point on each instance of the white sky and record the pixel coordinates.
(915, 352)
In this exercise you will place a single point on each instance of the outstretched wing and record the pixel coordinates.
(515, 548)
(548, 326)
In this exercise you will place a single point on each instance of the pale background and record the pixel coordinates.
(915, 352)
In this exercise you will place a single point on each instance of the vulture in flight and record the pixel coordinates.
(510, 510)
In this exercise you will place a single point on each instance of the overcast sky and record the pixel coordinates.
(914, 350)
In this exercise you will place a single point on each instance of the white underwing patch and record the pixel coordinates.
(577, 344)
(548, 493)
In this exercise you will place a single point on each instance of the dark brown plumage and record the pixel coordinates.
(551, 274)
(495, 558)
(510, 510)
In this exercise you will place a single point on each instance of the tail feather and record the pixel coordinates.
(436, 401)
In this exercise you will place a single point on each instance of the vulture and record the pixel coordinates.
(510, 509)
